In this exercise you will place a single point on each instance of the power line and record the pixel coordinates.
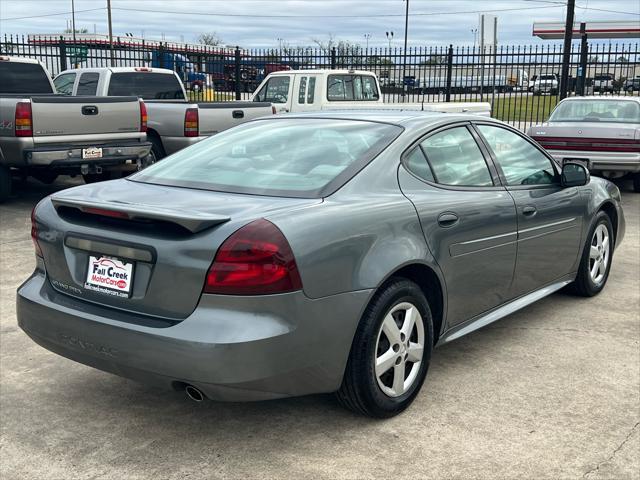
(425, 14)
(608, 11)
(51, 14)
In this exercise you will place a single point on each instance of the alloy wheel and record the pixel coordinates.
(399, 349)
(599, 254)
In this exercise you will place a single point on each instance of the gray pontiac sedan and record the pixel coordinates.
(311, 253)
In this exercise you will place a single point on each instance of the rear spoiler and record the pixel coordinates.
(193, 221)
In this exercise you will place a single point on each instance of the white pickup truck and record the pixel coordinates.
(174, 122)
(312, 90)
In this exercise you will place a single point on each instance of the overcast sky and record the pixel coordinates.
(260, 23)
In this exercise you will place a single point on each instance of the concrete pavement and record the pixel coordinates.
(552, 391)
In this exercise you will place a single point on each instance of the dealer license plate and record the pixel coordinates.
(92, 152)
(109, 275)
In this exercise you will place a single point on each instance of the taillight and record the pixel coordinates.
(24, 120)
(34, 232)
(255, 260)
(105, 213)
(191, 122)
(143, 117)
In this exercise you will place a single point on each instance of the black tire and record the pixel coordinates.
(156, 149)
(360, 391)
(636, 182)
(583, 284)
(97, 177)
(5, 183)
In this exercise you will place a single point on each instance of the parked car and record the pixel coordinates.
(602, 132)
(174, 122)
(313, 90)
(305, 254)
(546, 83)
(631, 85)
(604, 83)
(45, 135)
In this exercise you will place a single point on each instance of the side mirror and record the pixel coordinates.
(574, 175)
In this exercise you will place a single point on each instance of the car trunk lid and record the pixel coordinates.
(587, 136)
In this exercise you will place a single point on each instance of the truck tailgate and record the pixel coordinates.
(84, 115)
(216, 117)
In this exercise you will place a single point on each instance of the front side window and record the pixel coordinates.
(610, 111)
(306, 158)
(64, 83)
(276, 90)
(521, 162)
(456, 159)
(88, 84)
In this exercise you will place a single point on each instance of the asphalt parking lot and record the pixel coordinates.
(552, 391)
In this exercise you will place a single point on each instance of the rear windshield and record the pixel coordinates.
(23, 78)
(146, 85)
(307, 158)
(613, 111)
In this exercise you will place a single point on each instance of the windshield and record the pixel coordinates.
(547, 77)
(615, 111)
(307, 158)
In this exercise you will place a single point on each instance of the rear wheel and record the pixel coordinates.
(595, 263)
(390, 353)
(5, 183)
(157, 151)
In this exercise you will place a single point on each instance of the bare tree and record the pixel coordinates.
(78, 30)
(212, 39)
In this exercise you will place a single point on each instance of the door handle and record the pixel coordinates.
(447, 219)
(529, 211)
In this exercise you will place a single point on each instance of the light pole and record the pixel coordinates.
(367, 36)
(404, 56)
(110, 33)
(389, 38)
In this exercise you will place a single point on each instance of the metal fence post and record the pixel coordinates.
(333, 58)
(449, 73)
(237, 74)
(63, 54)
(161, 55)
(584, 56)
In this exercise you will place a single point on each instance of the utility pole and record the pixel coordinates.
(404, 60)
(110, 33)
(566, 51)
(73, 21)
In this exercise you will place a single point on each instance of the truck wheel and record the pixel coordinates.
(5, 183)
(97, 177)
(636, 182)
(157, 151)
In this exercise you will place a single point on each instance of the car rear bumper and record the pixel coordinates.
(66, 155)
(231, 348)
(602, 161)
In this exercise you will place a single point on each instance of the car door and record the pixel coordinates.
(304, 96)
(468, 218)
(549, 216)
(277, 90)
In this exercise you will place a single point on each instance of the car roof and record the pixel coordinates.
(118, 70)
(617, 98)
(394, 117)
(317, 71)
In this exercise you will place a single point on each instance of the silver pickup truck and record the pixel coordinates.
(44, 135)
(174, 122)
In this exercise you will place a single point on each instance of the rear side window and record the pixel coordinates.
(521, 162)
(146, 85)
(311, 90)
(455, 159)
(417, 164)
(88, 84)
(64, 83)
(276, 90)
(302, 93)
(351, 88)
(23, 78)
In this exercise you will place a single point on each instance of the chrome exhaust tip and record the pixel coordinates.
(194, 393)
